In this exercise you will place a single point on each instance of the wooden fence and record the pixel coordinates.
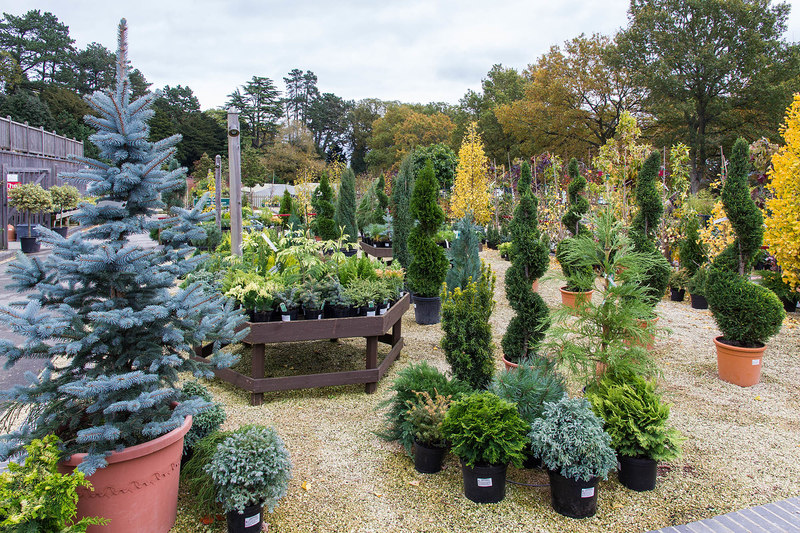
(18, 137)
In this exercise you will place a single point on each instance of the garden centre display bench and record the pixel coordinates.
(376, 251)
(373, 328)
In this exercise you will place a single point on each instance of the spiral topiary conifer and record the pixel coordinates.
(429, 264)
(692, 250)
(346, 205)
(578, 279)
(746, 313)
(108, 310)
(402, 220)
(324, 225)
(529, 260)
(644, 226)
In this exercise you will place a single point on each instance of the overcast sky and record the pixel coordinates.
(407, 50)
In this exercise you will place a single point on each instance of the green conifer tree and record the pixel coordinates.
(428, 267)
(692, 250)
(578, 279)
(346, 206)
(402, 220)
(529, 261)
(324, 226)
(287, 208)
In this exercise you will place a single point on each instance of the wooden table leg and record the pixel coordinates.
(372, 362)
(257, 372)
(397, 331)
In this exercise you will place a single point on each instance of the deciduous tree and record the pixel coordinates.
(471, 189)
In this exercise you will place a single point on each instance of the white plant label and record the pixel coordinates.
(587, 493)
(382, 311)
(370, 313)
(251, 521)
(484, 482)
(286, 318)
(756, 362)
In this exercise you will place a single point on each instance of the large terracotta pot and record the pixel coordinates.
(138, 490)
(535, 285)
(571, 299)
(738, 365)
(509, 365)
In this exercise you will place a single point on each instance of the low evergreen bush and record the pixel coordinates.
(205, 422)
(529, 387)
(485, 429)
(570, 440)
(697, 283)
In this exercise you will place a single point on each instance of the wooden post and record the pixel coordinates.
(235, 170)
(372, 362)
(218, 190)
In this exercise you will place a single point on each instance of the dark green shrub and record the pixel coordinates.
(428, 267)
(346, 206)
(205, 422)
(635, 417)
(415, 378)
(644, 227)
(492, 236)
(578, 279)
(464, 260)
(529, 387)
(485, 429)
(773, 280)
(679, 279)
(529, 260)
(324, 226)
(692, 251)
(401, 211)
(570, 440)
(444, 161)
(467, 341)
(697, 283)
(747, 314)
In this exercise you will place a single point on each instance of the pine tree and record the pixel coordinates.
(429, 265)
(529, 261)
(402, 220)
(471, 189)
(783, 226)
(324, 225)
(346, 206)
(106, 309)
(644, 226)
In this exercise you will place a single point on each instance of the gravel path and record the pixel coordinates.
(742, 447)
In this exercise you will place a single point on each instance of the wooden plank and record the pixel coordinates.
(310, 381)
(376, 251)
(390, 358)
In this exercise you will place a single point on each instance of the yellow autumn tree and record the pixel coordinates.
(783, 225)
(471, 188)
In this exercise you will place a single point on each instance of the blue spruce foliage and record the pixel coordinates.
(105, 312)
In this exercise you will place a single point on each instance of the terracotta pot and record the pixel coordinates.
(571, 299)
(509, 364)
(138, 490)
(12, 233)
(738, 365)
(535, 285)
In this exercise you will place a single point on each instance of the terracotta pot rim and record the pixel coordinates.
(564, 290)
(719, 341)
(508, 363)
(139, 450)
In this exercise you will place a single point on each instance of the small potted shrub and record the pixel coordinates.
(505, 250)
(486, 433)
(29, 198)
(313, 303)
(636, 420)
(697, 288)
(65, 197)
(746, 313)
(287, 304)
(426, 416)
(577, 453)
(34, 496)
(203, 423)
(250, 469)
(529, 386)
(678, 281)
(429, 264)
(410, 382)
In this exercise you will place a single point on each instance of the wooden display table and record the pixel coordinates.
(376, 251)
(373, 329)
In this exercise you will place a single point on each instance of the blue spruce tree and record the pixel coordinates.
(105, 312)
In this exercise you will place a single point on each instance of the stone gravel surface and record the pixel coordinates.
(742, 447)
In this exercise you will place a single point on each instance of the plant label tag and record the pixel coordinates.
(756, 362)
(286, 318)
(587, 493)
(382, 311)
(251, 521)
(484, 482)
(371, 313)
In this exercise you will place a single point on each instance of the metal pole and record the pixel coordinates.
(218, 190)
(235, 169)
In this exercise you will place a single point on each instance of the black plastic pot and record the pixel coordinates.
(484, 483)
(29, 245)
(247, 522)
(573, 498)
(789, 306)
(26, 230)
(348, 252)
(312, 314)
(637, 473)
(365, 311)
(428, 459)
(336, 311)
(61, 230)
(289, 315)
(699, 301)
(677, 295)
(427, 310)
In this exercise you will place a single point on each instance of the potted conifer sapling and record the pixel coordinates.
(579, 280)
(425, 415)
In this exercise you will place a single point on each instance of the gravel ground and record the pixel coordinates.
(742, 447)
